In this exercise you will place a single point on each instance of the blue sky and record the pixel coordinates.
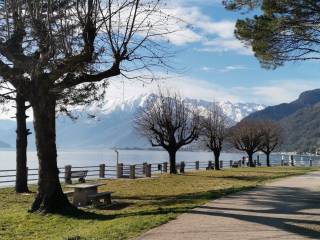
(214, 60)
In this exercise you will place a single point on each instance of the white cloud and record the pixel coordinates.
(233, 68)
(208, 69)
(196, 27)
(225, 45)
(187, 87)
(183, 36)
(223, 29)
(272, 93)
(276, 92)
(224, 69)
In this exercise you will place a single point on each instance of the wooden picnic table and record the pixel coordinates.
(83, 191)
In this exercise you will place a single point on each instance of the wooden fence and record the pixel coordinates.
(7, 177)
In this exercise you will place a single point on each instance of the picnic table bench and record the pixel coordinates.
(96, 198)
(86, 194)
(81, 175)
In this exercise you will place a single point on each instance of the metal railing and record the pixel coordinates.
(7, 177)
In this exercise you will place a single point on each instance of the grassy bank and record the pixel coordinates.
(139, 204)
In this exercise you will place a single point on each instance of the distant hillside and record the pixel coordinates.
(300, 120)
(278, 112)
(302, 130)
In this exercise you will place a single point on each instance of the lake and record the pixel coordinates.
(108, 157)
(85, 158)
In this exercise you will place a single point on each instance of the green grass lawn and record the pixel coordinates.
(140, 204)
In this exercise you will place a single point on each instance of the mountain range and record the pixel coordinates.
(299, 119)
(111, 125)
(278, 112)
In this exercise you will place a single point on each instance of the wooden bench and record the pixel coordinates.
(236, 164)
(104, 196)
(81, 175)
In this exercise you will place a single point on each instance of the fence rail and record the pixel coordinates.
(146, 170)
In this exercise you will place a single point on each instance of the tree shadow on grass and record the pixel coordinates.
(207, 195)
(161, 205)
(232, 177)
(258, 178)
(268, 207)
(80, 214)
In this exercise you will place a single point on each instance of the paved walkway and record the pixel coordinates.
(287, 209)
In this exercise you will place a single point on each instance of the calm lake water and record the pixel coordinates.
(85, 158)
(108, 157)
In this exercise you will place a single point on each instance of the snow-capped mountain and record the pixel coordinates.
(234, 111)
(112, 124)
(238, 111)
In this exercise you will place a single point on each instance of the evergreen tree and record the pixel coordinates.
(281, 31)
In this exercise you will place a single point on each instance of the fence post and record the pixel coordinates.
(182, 165)
(231, 162)
(209, 165)
(310, 163)
(165, 167)
(144, 167)
(67, 174)
(120, 170)
(197, 165)
(27, 174)
(132, 171)
(102, 169)
(148, 170)
(221, 164)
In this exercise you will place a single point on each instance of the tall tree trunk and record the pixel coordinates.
(50, 197)
(216, 159)
(21, 146)
(250, 155)
(172, 156)
(268, 159)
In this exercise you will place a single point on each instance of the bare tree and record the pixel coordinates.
(49, 50)
(247, 136)
(168, 122)
(8, 95)
(214, 131)
(271, 138)
(22, 133)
